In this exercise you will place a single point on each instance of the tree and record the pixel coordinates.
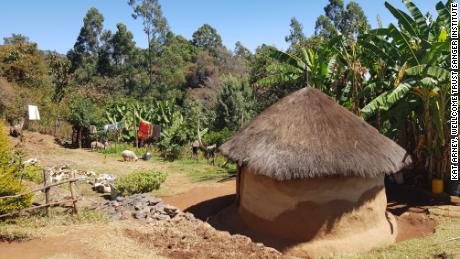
(349, 20)
(155, 26)
(123, 45)
(241, 51)
(16, 39)
(60, 75)
(83, 112)
(234, 103)
(206, 37)
(296, 36)
(86, 47)
(105, 54)
(355, 21)
(23, 64)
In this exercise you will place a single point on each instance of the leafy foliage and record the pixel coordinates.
(139, 182)
(9, 179)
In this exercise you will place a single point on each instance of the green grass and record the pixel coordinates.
(433, 246)
(197, 170)
(117, 149)
(202, 170)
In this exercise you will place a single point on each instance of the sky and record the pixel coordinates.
(55, 24)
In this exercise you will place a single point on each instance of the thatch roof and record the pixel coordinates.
(307, 134)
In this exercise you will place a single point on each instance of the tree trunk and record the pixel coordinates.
(79, 137)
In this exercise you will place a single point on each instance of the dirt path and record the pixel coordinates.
(200, 194)
(83, 241)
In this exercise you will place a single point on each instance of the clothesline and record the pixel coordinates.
(145, 129)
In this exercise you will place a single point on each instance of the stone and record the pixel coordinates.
(154, 201)
(170, 210)
(120, 199)
(161, 217)
(138, 206)
(125, 215)
(139, 215)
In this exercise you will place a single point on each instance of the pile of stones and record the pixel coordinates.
(142, 207)
(63, 172)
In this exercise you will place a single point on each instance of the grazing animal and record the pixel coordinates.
(96, 145)
(128, 155)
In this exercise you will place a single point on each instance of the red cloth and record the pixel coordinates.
(144, 130)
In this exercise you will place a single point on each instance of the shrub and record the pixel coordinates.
(217, 137)
(33, 173)
(10, 185)
(9, 180)
(139, 182)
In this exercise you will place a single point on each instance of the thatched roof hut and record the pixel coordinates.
(312, 171)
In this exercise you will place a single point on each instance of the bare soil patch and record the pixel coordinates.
(186, 239)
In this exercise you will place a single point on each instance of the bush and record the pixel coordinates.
(139, 182)
(9, 180)
(33, 173)
(217, 137)
(10, 185)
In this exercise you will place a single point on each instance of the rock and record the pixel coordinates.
(139, 215)
(161, 217)
(154, 201)
(120, 199)
(188, 215)
(138, 206)
(125, 215)
(170, 210)
(159, 206)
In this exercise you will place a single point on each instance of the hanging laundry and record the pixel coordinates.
(33, 113)
(108, 127)
(92, 129)
(144, 130)
(156, 131)
(120, 125)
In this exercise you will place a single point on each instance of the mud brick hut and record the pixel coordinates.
(312, 172)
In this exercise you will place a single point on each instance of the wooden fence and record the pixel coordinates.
(47, 185)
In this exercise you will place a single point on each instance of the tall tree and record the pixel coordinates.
(123, 44)
(155, 25)
(355, 21)
(104, 61)
(87, 46)
(296, 37)
(206, 37)
(349, 20)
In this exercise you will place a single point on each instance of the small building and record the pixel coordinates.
(311, 172)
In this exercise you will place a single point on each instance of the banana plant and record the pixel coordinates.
(416, 54)
(309, 67)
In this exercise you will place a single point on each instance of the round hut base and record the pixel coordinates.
(318, 216)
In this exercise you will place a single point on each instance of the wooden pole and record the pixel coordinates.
(36, 190)
(46, 181)
(73, 194)
(33, 208)
(135, 129)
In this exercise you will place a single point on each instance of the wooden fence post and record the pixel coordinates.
(73, 194)
(46, 181)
